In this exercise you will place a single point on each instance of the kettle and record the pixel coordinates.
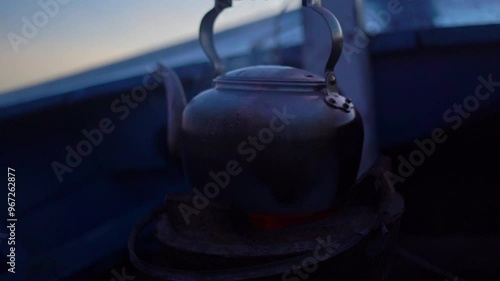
(266, 139)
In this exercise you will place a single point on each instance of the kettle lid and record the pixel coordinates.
(269, 75)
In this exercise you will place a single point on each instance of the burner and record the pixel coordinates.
(220, 243)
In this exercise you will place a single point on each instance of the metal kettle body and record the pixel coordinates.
(267, 139)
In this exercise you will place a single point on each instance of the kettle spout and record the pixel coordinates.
(176, 102)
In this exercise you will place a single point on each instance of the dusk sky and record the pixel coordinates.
(84, 34)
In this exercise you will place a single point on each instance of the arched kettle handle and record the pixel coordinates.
(207, 35)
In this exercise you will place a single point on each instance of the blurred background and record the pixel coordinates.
(63, 63)
(123, 29)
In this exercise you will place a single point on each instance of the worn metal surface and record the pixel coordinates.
(204, 234)
(219, 245)
(310, 158)
(294, 153)
(352, 70)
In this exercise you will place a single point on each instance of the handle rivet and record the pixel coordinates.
(332, 80)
